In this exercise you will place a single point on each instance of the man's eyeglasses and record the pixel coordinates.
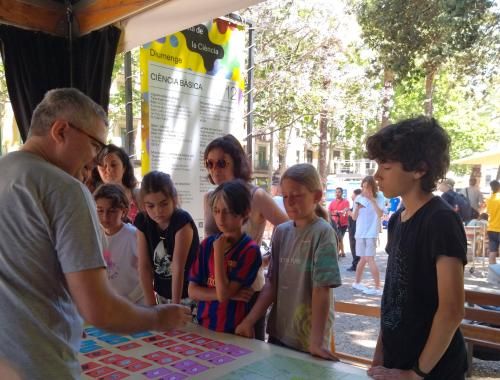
(221, 164)
(98, 145)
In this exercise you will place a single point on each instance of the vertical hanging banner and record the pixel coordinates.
(192, 85)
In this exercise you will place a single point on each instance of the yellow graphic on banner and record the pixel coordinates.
(214, 49)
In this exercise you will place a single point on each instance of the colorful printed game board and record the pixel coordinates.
(174, 355)
(283, 367)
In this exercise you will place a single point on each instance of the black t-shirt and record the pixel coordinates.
(410, 297)
(161, 249)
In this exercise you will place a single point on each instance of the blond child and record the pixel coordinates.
(302, 272)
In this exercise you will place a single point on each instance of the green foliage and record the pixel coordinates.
(117, 101)
(305, 70)
(422, 33)
(4, 94)
(468, 112)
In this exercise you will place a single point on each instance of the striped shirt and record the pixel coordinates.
(242, 263)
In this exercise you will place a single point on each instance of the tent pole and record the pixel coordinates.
(69, 19)
(129, 117)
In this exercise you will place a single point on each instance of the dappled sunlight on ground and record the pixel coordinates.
(369, 343)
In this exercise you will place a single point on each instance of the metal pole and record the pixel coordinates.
(250, 68)
(129, 116)
(69, 19)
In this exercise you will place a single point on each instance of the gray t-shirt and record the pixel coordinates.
(302, 259)
(48, 227)
(475, 197)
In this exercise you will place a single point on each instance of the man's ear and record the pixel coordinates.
(58, 131)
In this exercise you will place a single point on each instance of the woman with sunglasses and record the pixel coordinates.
(226, 160)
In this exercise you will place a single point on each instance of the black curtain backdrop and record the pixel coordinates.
(36, 62)
(94, 57)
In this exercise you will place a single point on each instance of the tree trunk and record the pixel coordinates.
(387, 96)
(331, 144)
(323, 145)
(271, 159)
(430, 73)
(284, 141)
(476, 173)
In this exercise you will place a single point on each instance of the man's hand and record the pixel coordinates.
(171, 316)
(321, 352)
(245, 329)
(383, 373)
(244, 294)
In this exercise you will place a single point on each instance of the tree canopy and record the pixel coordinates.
(334, 64)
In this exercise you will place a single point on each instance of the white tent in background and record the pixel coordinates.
(172, 16)
(491, 157)
(139, 21)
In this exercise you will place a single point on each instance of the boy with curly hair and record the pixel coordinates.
(423, 300)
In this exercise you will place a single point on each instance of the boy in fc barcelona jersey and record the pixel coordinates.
(227, 263)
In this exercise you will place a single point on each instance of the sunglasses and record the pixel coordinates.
(221, 164)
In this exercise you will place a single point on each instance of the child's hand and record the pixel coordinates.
(245, 329)
(392, 374)
(321, 352)
(244, 294)
(222, 244)
(367, 193)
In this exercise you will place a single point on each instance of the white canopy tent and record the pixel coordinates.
(140, 21)
(173, 16)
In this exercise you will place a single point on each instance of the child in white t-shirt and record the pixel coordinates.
(368, 209)
(120, 249)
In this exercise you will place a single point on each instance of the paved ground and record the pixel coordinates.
(358, 335)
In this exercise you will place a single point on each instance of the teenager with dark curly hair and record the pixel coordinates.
(423, 300)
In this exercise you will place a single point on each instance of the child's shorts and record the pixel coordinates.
(366, 247)
(493, 241)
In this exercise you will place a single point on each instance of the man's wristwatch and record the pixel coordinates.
(418, 371)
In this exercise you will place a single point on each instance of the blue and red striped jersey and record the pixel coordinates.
(242, 263)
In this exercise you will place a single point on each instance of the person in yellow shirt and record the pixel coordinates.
(493, 228)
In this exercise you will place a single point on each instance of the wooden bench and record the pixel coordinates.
(474, 334)
(356, 309)
(479, 335)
